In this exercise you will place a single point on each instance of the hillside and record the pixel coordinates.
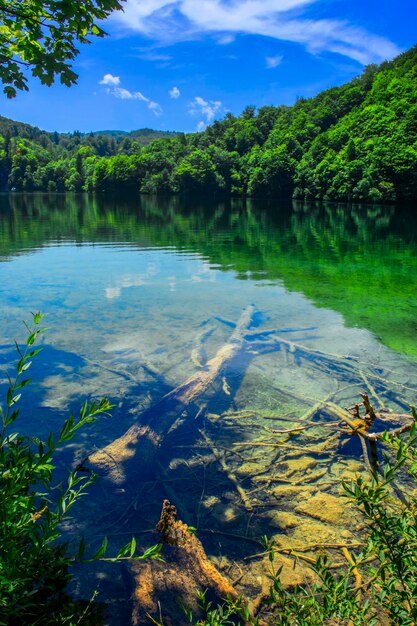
(357, 142)
(144, 136)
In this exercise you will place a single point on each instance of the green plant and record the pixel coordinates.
(380, 584)
(34, 560)
(332, 600)
(390, 512)
(221, 615)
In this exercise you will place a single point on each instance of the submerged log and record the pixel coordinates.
(142, 440)
(160, 588)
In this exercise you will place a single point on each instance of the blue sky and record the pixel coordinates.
(180, 64)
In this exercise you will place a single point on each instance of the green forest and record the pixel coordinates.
(357, 142)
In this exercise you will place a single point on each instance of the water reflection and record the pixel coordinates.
(358, 260)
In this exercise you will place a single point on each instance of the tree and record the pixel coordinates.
(40, 37)
(270, 172)
(196, 173)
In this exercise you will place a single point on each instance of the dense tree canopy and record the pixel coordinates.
(41, 37)
(357, 142)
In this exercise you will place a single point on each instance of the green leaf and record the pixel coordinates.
(95, 30)
(31, 339)
(33, 353)
(123, 551)
(37, 317)
(81, 549)
(153, 552)
(101, 551)
(23, 383)
(132, 546)
(11, 399)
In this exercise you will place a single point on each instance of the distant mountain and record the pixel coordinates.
(27, 131)
(19, 129)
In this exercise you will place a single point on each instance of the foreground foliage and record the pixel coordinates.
(380, 585)
(34, 559)
(41, 38)
(354, 142)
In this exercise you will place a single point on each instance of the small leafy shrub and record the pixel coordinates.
(333, 600)
(390, 512)
(380, 584)
(228, 614)
(34, 561)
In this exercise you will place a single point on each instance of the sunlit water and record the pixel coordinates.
(138, 295)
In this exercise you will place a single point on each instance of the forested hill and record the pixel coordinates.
(354, 142)
(11, 128)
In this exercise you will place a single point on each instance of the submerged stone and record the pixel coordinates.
(324, 507)
(300, 464)
(250, 469)
(283, 519)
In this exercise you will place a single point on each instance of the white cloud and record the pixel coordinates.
(125, 94)
(272, 62)
(224, 40)
(174, 93)
(113, 89)
(109, 79)
(155, 107)
(153, 56)
(179, 20)
(208, 109)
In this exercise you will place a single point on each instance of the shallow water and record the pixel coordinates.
(140, 294)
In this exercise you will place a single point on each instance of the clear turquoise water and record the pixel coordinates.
(125, 284)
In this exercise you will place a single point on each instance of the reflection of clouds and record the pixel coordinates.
(172, 283)
(61, 389)
(112, 292)
(204, 273)
(125, 347)
(152, 269)
(129, 280)
(132, 281)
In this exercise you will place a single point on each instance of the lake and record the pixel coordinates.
(139, 294)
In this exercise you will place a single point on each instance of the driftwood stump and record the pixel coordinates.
(160, 588)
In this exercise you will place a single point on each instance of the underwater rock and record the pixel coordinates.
(324, 507)
(300, 464)
(210, 501)
(250, 469)
(283, 519)
(292, 491)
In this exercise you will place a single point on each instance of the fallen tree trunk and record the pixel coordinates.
(160, 587)
(142, 439)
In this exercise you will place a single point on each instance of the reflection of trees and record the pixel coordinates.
(358, 260)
